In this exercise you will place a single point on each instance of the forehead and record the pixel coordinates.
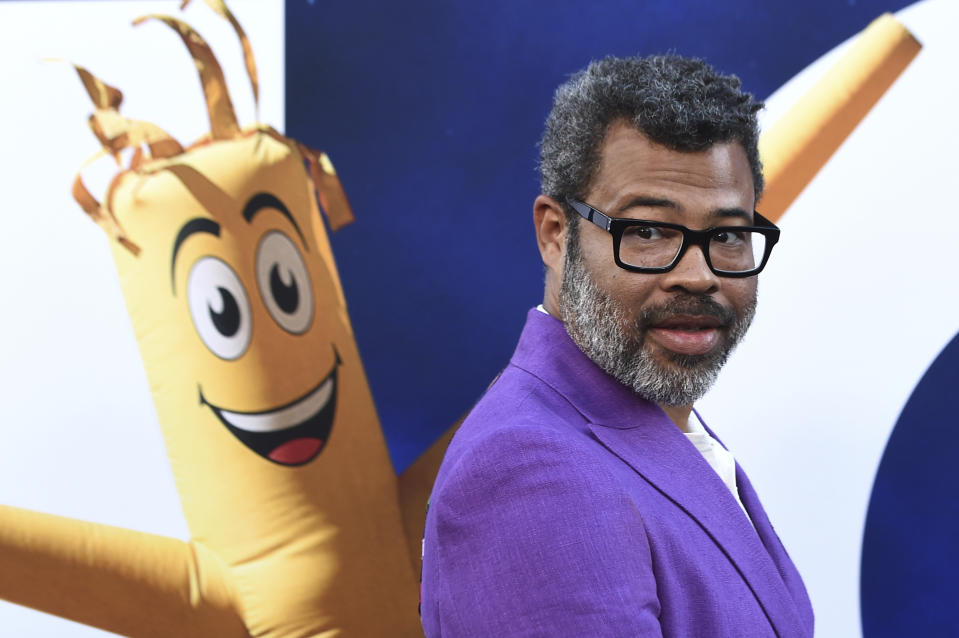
(632, 166)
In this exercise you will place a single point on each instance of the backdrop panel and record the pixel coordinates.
(431, 112)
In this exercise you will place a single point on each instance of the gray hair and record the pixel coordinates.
(681, 103)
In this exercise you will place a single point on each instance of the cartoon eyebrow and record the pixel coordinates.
(195, 225)
(267, 200)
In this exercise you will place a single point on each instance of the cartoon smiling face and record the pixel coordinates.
(250, 278)
(221, 307)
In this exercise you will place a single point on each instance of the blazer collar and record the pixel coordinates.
(641, 435)
(546, 351)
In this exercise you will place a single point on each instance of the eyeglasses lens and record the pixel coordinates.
(736, 251)
(655, 247)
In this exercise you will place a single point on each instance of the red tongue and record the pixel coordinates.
(296, 451)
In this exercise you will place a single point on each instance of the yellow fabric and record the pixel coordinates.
(803, 140)
(223, 124)
(249, 61)
(329, 190)
(115, 578)
(116, 133)
(101, 94)
(104, 218)
(416, 483)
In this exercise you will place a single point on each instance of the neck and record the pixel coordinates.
(678, 414)
(551, 304)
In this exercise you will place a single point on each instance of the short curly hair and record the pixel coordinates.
(679, 102)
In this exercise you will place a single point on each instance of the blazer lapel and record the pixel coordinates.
(771, 542)
(659, 452)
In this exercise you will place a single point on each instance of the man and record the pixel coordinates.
(583, 496)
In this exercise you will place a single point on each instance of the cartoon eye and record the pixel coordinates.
(220, 308)
(284, 282)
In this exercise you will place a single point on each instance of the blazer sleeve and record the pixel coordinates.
(528, 534)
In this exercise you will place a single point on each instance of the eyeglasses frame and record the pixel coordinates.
(617, 225)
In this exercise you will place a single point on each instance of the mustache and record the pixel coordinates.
(695, 305)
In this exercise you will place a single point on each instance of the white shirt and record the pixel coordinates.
(718, 457)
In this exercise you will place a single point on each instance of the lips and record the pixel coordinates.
(292, 434)
(687, 334)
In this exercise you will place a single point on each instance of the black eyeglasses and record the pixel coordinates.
(646, 246)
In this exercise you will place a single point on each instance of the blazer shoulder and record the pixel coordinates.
(520, 428)
(527, 511)
(518, 397)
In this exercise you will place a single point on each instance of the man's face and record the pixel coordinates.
(664, 335)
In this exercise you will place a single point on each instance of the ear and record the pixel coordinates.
(549, 219)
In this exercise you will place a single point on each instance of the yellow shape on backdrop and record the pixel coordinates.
(803, 140)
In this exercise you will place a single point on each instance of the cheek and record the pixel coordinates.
(741, 294)
(632, 292)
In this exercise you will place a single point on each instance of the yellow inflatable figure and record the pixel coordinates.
(296, 516)
(277, 454)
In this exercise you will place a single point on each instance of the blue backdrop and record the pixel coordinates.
(431, 112)
(909, 549)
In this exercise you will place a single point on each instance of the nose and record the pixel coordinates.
(691, 274)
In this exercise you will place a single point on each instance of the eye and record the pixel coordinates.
(219, 307)
(284, 282)
(729, 238)
(642, 232)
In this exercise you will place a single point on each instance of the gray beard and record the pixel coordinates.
(602, 329)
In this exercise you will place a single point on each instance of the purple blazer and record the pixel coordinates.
(568, 506)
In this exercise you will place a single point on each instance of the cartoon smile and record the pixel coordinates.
(292, 434)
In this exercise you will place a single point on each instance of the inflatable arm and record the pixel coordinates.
(130, 583)
(800, 143)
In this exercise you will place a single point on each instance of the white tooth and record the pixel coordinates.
(285, 418)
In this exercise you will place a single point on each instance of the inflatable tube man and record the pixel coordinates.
(277, 454)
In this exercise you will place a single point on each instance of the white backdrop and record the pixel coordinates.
(78, 435)
(807, 402)
(842, 335)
